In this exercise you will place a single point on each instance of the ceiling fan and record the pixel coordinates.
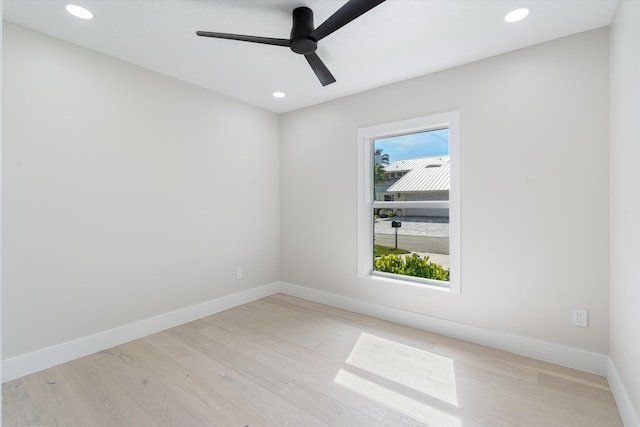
(305, 37)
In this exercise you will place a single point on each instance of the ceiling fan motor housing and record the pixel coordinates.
(301, 42)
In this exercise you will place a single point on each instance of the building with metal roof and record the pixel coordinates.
(426, 178)
(427, 174)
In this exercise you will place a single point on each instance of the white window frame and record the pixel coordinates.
(366, 203)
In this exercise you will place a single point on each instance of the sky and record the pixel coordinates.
(415, 145)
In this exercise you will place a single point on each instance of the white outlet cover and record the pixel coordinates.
(580, 317)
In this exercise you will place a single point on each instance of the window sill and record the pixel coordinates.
(399, 281)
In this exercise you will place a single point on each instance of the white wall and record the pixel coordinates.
(625, 198)
(534, 190)
(1, 102)
(126, 194)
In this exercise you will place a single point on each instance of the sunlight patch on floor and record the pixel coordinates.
(417, 410)
(420, 370)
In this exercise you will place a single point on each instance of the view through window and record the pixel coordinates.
(411, 183)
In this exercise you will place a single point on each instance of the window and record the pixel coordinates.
(414, 217)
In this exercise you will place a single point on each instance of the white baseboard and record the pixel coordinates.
(628, 413)
(25, 364)
(554, 353)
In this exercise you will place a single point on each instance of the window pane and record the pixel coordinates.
(424, 236)
(412, 168)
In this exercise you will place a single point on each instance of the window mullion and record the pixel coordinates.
(433, 204)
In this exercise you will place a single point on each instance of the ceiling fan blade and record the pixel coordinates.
(321, 70)
(347, 13)
(243, 38)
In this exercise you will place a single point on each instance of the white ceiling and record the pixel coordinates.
(396, 40)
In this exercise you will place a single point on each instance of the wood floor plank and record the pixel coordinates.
(216, 383)
(156, 393)
(262, 396)
(283, 361)
(36, 400)
(312, 369)
(277, 372)
(302, 385)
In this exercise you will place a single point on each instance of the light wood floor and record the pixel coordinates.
(286, 361)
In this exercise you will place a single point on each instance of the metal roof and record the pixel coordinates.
(425, 174)
(409, 164)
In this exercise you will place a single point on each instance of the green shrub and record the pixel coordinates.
(385, 213)
(412, 265)
(380, 250)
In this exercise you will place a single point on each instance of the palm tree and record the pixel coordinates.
(380, 159)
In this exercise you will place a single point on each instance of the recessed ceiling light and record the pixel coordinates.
(78, 11)
(516, 15)
(279, 94)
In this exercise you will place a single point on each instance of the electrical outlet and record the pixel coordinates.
(580, 318)
(239, 273)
